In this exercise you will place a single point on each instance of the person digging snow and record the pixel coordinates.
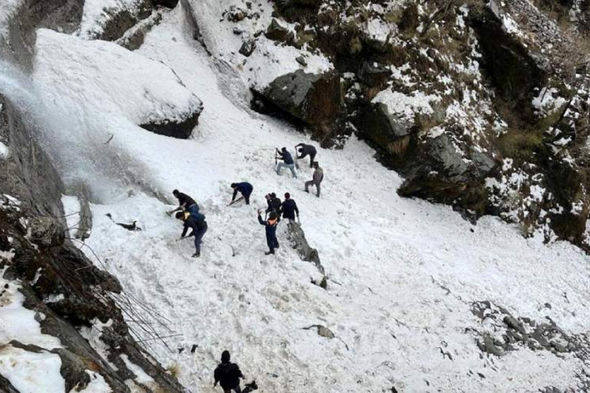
(288, 162)
(227, 374)
(198, 225)
(318, 176)
(306, 150)
(289, 208)
(274, 203)
(271, 231)
(245, 189)
(185, 203)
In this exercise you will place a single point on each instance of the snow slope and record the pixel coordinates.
(402, 273)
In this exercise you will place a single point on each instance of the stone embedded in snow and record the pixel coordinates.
(146, 92)
(312, 98)
(109, 19)
(46, 231)
(277, 32)
(248, 47)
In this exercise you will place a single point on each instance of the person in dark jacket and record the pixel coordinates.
(244, 188)
(288, 162)
(274, 203)
(228, 374)
(198, 225)
(185, 203)
(271, 231)
(289, 208)
(306, 150)
(318, 177)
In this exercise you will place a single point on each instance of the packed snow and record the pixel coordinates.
(402, 273)
(3, 151)
(97, 12)
(27, 371)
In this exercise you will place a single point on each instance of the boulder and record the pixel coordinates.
(277, 32)
(299, 242)
(248, 47)
(314, 99)
(182, 129)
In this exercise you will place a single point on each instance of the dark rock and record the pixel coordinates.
(299, 242)
(166, 3)
(277, 32)
(182, 129)
(314, 99)
(513, 68)
(374, 74)
(46, 231)
(248, 47)
(301, 60)
(513, 323)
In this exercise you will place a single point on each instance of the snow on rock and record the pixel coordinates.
(123, 82)
(3, 151)
(269, 60)
(97, 13)
(97, 385)
(19, 323)
(405, 106)
(31, 372)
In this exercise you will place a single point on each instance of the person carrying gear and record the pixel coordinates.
(288, 162)
(318, 176)
(228, 375)
(271, 231)
(198, 225)
(289, 208)
(244, 188)
(185, 203)
(306, 150)
(274, 203)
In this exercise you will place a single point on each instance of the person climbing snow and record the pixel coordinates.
(306, 150)
(288, 162)
(274, 203)
(227, 374)
(185, 203)
(271, 231)
(289, 208)
(318, 176)
(245, 189)
(198, 225)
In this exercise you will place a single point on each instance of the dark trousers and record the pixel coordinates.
(311, 158)
(236, 390)
(272, 242)
(199, 233)
(246, 196)
(312, 183)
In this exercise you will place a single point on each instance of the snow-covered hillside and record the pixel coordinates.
(403, 275)
(417, 299)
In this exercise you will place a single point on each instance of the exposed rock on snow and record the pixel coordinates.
(160, 102)
(297, 237)
(314, 99)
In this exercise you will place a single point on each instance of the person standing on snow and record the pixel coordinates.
(306, 150)
(289, 208)
(227, 374)
(244, 188)
(274, 203)
(288, 162)
(198, 225)
(318, 176)
(271, 231)
(185, 203)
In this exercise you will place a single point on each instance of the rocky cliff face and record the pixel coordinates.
(482, 105)
(58, 309)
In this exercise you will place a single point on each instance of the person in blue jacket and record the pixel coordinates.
(288, 162)
(198, 225)
(271, 231)
(244, 188)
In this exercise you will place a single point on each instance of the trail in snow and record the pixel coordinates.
(402, 273)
